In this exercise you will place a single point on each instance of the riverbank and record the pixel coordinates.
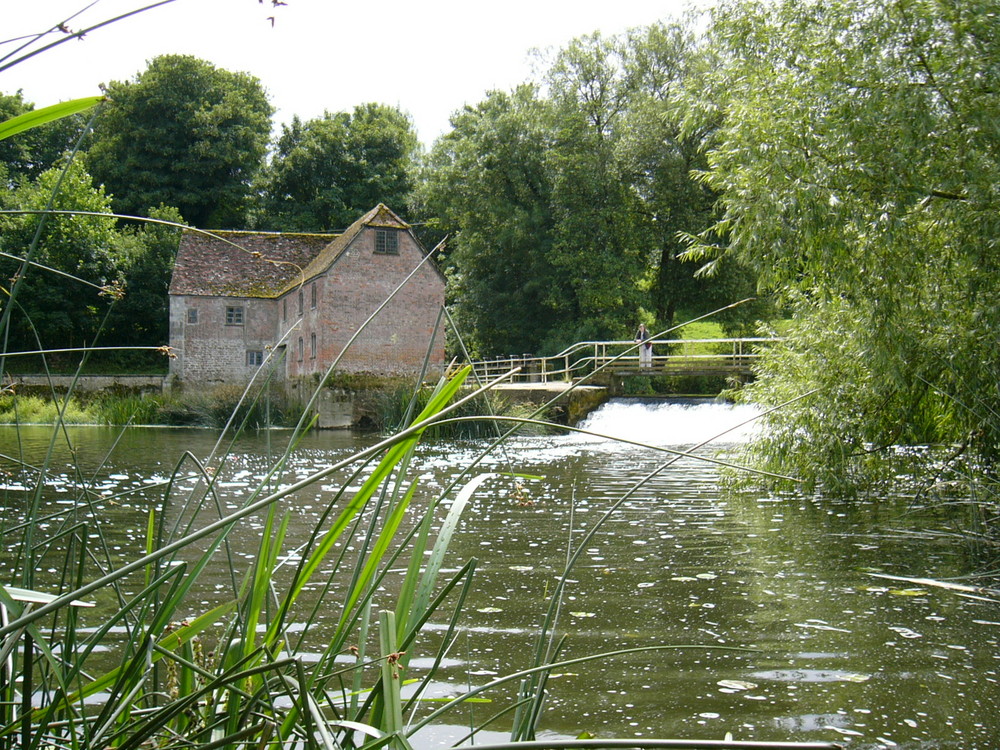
(367, 405)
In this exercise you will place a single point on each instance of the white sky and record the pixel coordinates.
(428, 57)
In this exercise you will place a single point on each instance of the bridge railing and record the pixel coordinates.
(669, 357)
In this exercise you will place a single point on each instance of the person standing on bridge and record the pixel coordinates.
(646, 346)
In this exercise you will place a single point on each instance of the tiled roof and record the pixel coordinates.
(243, 264)
(380, 216)
(263, 264)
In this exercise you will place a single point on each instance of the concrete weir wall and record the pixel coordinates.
(89, 383)
(573, 404)
(338, 408)
(345, 408)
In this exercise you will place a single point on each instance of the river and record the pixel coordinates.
(795, 633)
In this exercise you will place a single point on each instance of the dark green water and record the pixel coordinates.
(792, 636)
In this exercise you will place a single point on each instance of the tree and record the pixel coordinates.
(28, 154)
(568, 209)
(183, 133)
(859, 174)
(486, 183)
(329, 170)
(141, 317)
(660, 160)
(599, 246)
(61, 305)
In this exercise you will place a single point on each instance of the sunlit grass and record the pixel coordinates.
(39, 410)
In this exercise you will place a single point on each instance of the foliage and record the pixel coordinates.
(858, 174)
(31, 140)
(328, 171)
(487, 180)
(567, 201)
(59, 300)
(141, 316)
(126, 409)
(183, 133)
(17, 409)
(594, 252)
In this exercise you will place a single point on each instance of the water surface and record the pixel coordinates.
(786, 632)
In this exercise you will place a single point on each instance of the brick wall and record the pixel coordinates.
(397, 340)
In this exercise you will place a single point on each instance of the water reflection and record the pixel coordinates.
(782, 632)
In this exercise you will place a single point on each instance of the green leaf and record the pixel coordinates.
(45, 115)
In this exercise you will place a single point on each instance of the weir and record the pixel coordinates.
(674, 421)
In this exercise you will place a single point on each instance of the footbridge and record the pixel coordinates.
(598, 361)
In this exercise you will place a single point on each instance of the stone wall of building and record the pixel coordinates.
(215, 344)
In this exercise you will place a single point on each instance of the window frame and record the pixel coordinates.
(192, 316)
(312, 345)
(255, 357)
(383, 245)
(234, 315)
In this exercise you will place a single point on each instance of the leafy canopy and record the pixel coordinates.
(566, 200)
(859, 177)
(183, 133)
(328, 171)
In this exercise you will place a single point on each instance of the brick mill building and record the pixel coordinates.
(239, 300)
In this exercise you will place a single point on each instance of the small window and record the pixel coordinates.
(312, 345)
(255, 357)
(234, 316)
(300, 303)
(312, 296)
(192, 315)
(300, 349)
(386, 242)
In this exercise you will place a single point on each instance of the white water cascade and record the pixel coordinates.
(661, 422)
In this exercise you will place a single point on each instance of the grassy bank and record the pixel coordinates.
(210, 408)
(390, 404)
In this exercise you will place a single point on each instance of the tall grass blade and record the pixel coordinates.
(45, 115)
(392, 714)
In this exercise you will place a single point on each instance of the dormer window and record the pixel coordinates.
(386, 242)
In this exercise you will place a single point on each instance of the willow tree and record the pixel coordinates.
(859, 175)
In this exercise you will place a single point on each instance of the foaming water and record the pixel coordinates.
(673, 423)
